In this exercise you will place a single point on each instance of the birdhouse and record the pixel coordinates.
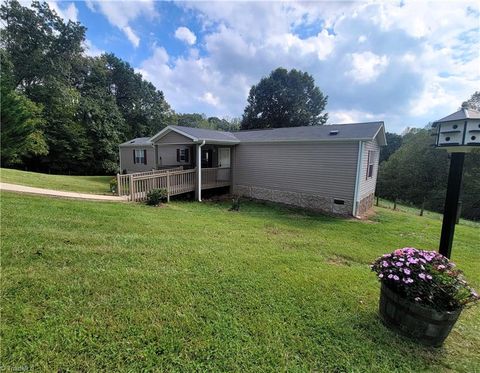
(458, 132)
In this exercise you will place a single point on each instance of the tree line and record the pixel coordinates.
(414, 172)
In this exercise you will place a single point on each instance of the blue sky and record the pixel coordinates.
(406, 63)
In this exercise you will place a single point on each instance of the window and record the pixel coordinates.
(370, 163)
(183, 155)
(139, 156)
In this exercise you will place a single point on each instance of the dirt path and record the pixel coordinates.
(59, 193)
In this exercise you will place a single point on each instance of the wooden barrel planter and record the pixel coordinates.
(425, 325)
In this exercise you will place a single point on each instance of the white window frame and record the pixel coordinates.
(139, 156)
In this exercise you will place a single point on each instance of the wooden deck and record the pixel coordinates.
(136, 186)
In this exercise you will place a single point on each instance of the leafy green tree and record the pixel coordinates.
(394, 142)
(21, 129)
(285, 99)
(142, 105)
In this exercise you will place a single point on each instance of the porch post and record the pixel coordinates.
(199, 171)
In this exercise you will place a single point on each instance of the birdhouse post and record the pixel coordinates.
(458, 133)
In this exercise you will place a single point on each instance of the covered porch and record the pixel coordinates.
(186, 160)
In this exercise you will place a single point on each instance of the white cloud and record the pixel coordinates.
(70, 12)
(210, 99)
(91, 50)
(366, 67)
(134, 39)
(420, 61)
(184, 34)
(121, 13)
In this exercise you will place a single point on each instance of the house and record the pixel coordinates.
(330, 168)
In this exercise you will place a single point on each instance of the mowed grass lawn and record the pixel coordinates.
(91, 286)
(81, 184)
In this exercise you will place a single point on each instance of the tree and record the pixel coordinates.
(285, 99)
(394, 142)
(22, 123)
(473, 102)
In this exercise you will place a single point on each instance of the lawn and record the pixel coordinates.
(91, 286)
(81, 184)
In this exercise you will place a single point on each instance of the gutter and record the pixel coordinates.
(357, 178)
(199, 168)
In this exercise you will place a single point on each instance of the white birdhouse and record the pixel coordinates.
(458, 132)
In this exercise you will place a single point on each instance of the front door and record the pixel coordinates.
(224, 157)
(223, 164)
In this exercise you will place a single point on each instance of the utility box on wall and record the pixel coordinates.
(458, 132)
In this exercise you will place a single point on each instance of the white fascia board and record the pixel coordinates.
(167, 130)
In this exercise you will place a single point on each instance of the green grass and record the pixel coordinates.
(193, 287)
(81, 184)
(429, 214)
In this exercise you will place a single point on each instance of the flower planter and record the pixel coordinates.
(425, 325)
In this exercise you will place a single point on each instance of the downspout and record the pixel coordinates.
(120, 160)
(199, 168)
(357, 178)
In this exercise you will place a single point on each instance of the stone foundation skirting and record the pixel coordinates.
(365, 204)
(305, 200)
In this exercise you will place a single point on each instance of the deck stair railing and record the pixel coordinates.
(124, 180)
(175, 182)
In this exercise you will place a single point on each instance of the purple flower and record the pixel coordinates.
(441, 266)
(385, 263)
(406, 271)
(396, 278)
(390, 275)
(422, 276)
(399, 264)
(380, 275)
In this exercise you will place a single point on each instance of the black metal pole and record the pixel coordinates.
(451, 203)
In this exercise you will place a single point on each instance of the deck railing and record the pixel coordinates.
(176, 182)
(124, 180)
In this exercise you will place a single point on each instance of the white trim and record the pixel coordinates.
(199, 170)
(167, 130)
(357, 178)
(120, 161)
(382, 127)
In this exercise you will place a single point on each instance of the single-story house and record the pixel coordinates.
(330, 168)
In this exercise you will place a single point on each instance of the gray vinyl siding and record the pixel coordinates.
(324, 169)
(167, 155)
(367, 186)
(173, 138)
(126, 159)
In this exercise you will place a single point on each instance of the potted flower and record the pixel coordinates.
(422, 294)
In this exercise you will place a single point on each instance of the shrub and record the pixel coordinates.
(113, 185)
(425, 277)
(156, 196)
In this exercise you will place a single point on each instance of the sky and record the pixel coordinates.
(407, 63)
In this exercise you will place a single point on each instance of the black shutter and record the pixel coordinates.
(178, 155)
(187, 155)
(145, 156)
(134, 156)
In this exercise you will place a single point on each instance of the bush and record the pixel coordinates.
(425, 277)
(156, 196)
(113, 185)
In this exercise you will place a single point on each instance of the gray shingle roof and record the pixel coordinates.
(331, 132)
(206, 134)
(351, 131)
(139, 141)
(462, 114)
